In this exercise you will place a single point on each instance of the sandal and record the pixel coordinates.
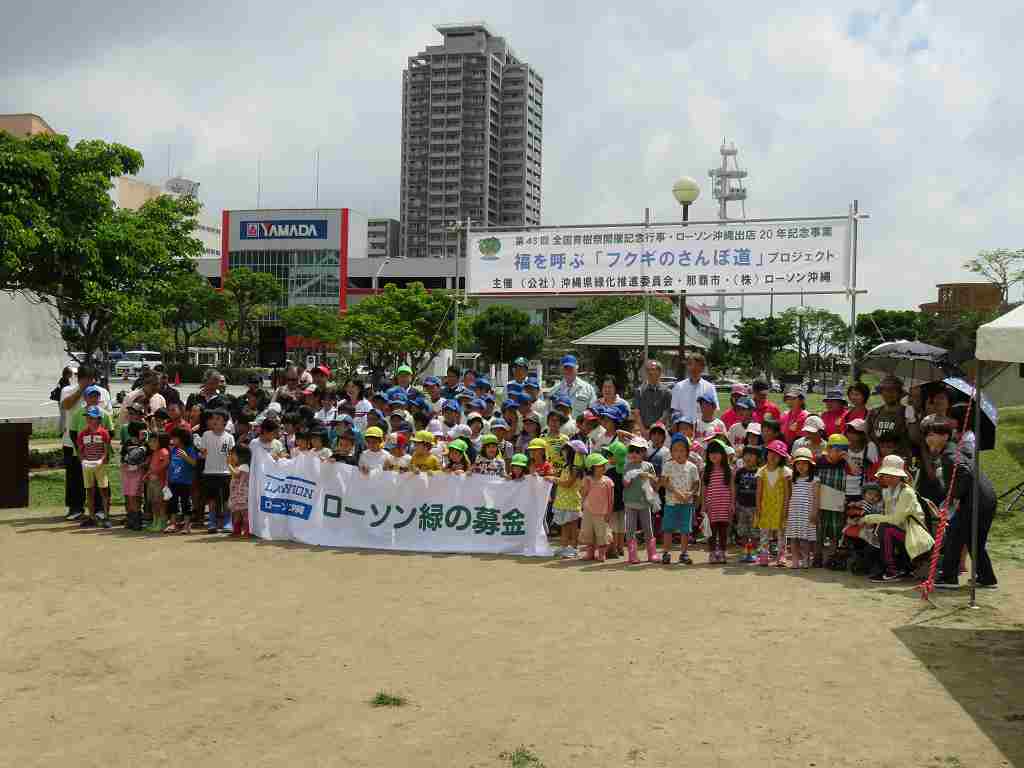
(171, 528)
(185, 528)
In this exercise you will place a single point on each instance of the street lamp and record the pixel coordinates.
(458, 226)
(685, 191)
(380, 269)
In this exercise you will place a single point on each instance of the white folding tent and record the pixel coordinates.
(1000, 343)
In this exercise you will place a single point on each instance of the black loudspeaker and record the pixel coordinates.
(272, 346)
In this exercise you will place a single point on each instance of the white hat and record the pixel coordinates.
(274, 407)
(813, 424)
(638, 442)
(754, 428)
(893, 466)
(460, 430)
(306, 378)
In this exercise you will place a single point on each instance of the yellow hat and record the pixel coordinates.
(537, 444)
(423, 436)
(374, 432)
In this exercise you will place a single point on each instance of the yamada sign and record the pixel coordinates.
(305, 229)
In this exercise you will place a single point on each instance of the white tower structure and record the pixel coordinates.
(727, 182)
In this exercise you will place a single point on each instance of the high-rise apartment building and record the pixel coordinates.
(472, 120)
(382, 238)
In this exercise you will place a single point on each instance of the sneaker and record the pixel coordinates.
(886, 577)
(212, 530)
(945, 584)
(684, 559)
(87, 522)
(104, 522)
(666, 558)
(568, 553)
(612, 555)
(74, 515)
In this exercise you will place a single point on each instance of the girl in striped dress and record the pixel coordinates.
(719, 497)
(804, 502)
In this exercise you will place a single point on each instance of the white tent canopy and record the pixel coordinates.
(1002, 340)
(629, 332)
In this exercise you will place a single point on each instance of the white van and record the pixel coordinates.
(131, 364)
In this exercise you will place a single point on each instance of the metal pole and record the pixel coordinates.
(647, 298)
(455, 296)
(853, 291)
(976, 480)
(681, 366)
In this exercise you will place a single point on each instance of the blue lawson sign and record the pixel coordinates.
(283, 229)
(290, 496)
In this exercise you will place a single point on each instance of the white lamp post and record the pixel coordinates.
(686, 191)
(379, 270)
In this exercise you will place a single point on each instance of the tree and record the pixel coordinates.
(784, 362)
(504, 333)
(959, 333)
(874, 328)
(761, 338)
(248, 296)
(400, 322)
(188, 306)
(1003, 267)
(56, 212)
(821, 334)
(137, 257)
(312, 322)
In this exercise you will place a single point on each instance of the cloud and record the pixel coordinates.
(904, 106)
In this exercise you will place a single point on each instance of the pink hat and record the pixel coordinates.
(779, 448)
(740, 389)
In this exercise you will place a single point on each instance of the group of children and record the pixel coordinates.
(769, 481)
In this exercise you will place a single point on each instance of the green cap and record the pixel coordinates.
(458, 445)
(403, 369)
(595, 460)
(520, 460)
(489, 440)
(521, 361)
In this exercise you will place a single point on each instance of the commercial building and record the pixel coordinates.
(472, 124)
(307, 250)
(24, 124)
(383, 238)
(957, 298)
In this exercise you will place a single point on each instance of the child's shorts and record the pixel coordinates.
(745, 520)
(678, 518)
(595, 530)
(563, 516)
(95, 476)
(830, 524)
(154, 490)
(131, 481)
(216, 487)
(617, 521)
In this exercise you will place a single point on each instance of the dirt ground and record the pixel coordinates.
(142, 650)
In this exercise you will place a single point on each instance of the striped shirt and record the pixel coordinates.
(92, 445)
(718, 497)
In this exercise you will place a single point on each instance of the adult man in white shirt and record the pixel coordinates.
(148, 396)
(71, 400)
(686, 392)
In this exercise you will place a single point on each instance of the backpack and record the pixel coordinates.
(136, 456)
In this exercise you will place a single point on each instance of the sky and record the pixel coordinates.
(910, 107)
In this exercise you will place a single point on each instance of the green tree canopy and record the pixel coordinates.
(398, 322)
(823, 333)
(188, 306)
(1003, 267)
(594, 314)
(761, 338)
(248, 296)
(312, 322)
(504, 333)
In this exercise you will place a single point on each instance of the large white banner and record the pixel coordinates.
(782, 255)
(334, 505)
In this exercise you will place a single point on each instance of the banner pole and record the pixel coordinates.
(853, 293)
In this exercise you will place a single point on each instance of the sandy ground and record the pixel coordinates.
(127, 649)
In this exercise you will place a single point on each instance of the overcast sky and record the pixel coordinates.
(914, 108)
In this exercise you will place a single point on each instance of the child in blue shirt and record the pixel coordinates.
(180, 474)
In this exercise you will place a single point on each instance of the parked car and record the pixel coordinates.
(131, 364)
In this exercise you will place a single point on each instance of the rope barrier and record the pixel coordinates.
(928, 585)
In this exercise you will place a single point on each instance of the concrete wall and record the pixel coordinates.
(31, 350)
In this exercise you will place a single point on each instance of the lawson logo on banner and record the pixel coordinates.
(291, 229)
(290, 495)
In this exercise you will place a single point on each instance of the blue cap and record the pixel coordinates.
(570, 360)
(93, 412)
(681, 419)
(451, 405)
(463, 392)
(510, 404)
(563, 400)
(513, 388)
(623, 411)
(398, 400)
(431, 381)
(499, 424)
(92, 389)
(476, 404)
(483, 381)
(608, 412)
(531, 381)
(706, 399)
(745, 402)
(524, 399)
(680, 438)
(489, 398)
